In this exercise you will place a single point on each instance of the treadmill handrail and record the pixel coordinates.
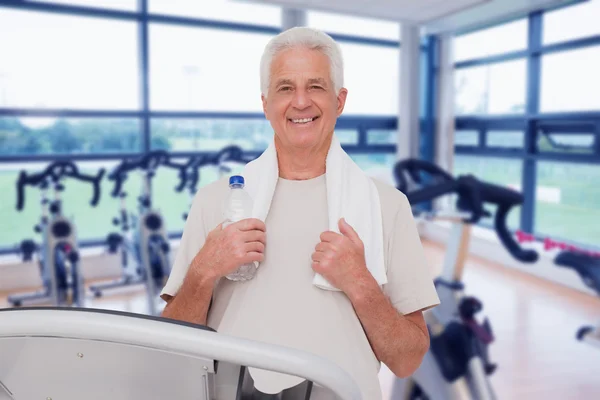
(171, 336)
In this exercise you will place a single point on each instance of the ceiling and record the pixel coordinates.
(434, 16)
(490, 12)
(411, 11)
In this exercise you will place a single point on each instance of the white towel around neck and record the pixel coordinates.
(351, 194)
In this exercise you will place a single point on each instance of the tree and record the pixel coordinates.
(62, 139)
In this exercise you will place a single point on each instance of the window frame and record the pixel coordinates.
(143, 113)
(532, 120)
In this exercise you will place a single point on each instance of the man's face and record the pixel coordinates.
(301, 104)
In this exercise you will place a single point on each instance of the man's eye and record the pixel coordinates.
(316, 87)
(285, 89)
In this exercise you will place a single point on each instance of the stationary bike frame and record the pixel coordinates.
(475, 383)
(457, 365)
(144, 237)
(60, 259)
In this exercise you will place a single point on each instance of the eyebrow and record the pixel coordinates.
(284, 82)
(311, 81)
(320, 81)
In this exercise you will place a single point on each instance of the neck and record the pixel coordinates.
(301, 164)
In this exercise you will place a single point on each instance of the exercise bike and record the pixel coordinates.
(59, 260)
(190, 174)
(588, 268)
(458, 363)
(146, 252)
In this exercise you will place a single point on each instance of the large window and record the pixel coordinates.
(568, 201)
(38, 135)
(203, 71)
(378, 166)
(58, 61)
(210, 134)
(353, 25)
(220, 10)
(126, 5)
(97, 82)
(493, 41)
(574, 22)
(372, 76)
(529, 118)
(491, 89)
(577, 92)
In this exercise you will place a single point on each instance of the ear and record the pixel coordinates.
(341, 100)
(264, 105)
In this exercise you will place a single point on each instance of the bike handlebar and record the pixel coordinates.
(55, 172)
(190, 173)
(414, 167)
(472, 194)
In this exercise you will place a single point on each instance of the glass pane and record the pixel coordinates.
(59, 61)
(91, 222)
(382, 136)
(379, 166)
(125, 5)
(347, 136)
(210, 134)
(572, 22)
(355, 26)
(36, 135)
(498, 171)
(221, 10)
(570, 82)
(491, 89)
(567, 203)
(466, 138)
(575, 143)
(505, 139)
(375, 92)
(186, 75)
(497, 40)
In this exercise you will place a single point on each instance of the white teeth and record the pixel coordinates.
(302, 121)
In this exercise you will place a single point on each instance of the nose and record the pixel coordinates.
(301, 99)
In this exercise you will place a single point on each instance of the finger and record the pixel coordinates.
(251, 224)
(318, 256)
(254, 236)
(347, 230)
(324, 247)
(257, 247)
(253, 256)
(329, 236)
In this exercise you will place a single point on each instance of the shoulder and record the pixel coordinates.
(393, 201)
(213, 193)
(207, 205)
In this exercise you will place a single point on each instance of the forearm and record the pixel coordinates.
(192, 300)
(397, 341)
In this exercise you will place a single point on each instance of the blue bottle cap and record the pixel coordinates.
(236, 180)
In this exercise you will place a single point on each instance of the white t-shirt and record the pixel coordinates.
(282, 306)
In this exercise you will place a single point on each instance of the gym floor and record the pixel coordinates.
(534, 322)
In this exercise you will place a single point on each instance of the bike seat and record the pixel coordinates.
(587, 267)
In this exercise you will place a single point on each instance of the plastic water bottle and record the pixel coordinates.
(238, 206)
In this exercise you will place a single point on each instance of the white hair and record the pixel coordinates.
(303, 37)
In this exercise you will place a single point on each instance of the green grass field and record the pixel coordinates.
(575, 217)
(91, 222)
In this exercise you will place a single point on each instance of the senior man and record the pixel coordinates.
(363, 321)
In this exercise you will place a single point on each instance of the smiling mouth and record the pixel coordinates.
(302, 121)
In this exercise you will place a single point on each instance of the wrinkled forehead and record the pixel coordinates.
(300, 65)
